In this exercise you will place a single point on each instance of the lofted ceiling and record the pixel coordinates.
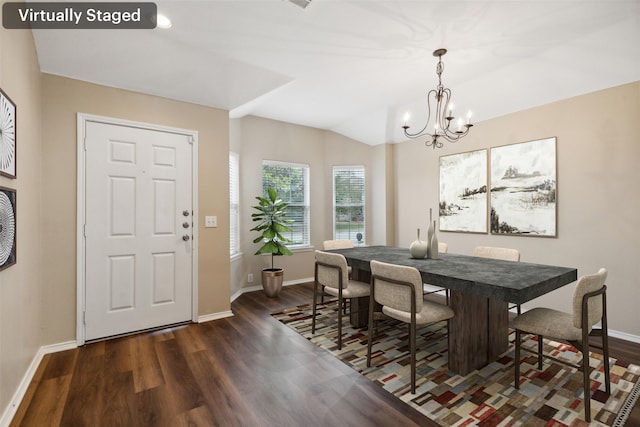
(356, 66)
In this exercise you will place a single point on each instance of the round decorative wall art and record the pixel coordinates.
(7, 227)
(7, 136)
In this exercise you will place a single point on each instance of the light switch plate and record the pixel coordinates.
(210, 221)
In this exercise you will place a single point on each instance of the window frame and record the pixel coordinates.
(234, 207)
(341, 168)
(306, 204)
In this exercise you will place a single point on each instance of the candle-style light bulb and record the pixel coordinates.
(469, 117)
(450, 114)
(406, 118)
(459, 125)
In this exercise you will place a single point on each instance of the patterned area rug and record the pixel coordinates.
(486, 397)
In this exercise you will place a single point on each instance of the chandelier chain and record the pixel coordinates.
(439, 70)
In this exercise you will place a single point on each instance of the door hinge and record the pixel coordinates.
(84, 318)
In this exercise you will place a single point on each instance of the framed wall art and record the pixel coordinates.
(463, 192)
(7, 227)
(7, 136)
(523, 189)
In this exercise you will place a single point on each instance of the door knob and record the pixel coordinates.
(185, 213)
(185, 225)
(185, 237)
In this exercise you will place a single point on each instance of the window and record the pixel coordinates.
(291, 181)
(234, 204)
(348, 203)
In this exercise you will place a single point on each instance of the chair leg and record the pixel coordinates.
(540, 354)
(412, 345)
(371, 331)
(340, 302)
(313, 315)
(587, 382)
(516, 362)
(605, 353)
(605, 344)
(322, 296)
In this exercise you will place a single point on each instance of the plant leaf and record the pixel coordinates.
(285, 250)
(280, 227)
(273, 195)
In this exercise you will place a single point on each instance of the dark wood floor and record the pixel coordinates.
(247, 370)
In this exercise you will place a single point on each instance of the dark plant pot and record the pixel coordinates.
(272, 279)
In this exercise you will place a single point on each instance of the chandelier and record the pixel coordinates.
(443, 114)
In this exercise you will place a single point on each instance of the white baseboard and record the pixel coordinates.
(61, 346)
(297, 281)
(624, 336)
(215, 316)
(11, 410)
(246, 290)
(237, 294)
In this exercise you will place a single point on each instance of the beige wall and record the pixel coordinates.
(20, 298)
(62, 99)
(257, 139)
(598, 151)
(382, 180)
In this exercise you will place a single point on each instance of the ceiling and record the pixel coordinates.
(357, 66)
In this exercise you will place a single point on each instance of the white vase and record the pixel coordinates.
(429, 233)
(431, 229)
(418, 249)
(433, 244)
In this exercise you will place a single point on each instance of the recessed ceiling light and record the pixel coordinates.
(163, 22)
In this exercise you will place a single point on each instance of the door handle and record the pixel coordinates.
(186, 237)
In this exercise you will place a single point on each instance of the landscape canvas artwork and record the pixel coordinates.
(463, 192)
(523, 189)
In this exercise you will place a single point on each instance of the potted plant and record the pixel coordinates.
(270, 216)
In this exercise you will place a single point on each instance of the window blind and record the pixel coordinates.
(291, 182)
(349, 203)
(234, 204)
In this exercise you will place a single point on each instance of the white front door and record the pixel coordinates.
(138, 229)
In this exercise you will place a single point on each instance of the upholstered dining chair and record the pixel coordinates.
(506, 254)
(589, 308)
(398, 289)
(331, 276)
(443, 248)
(329, 245)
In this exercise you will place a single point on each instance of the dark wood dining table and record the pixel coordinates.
(480, 291)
